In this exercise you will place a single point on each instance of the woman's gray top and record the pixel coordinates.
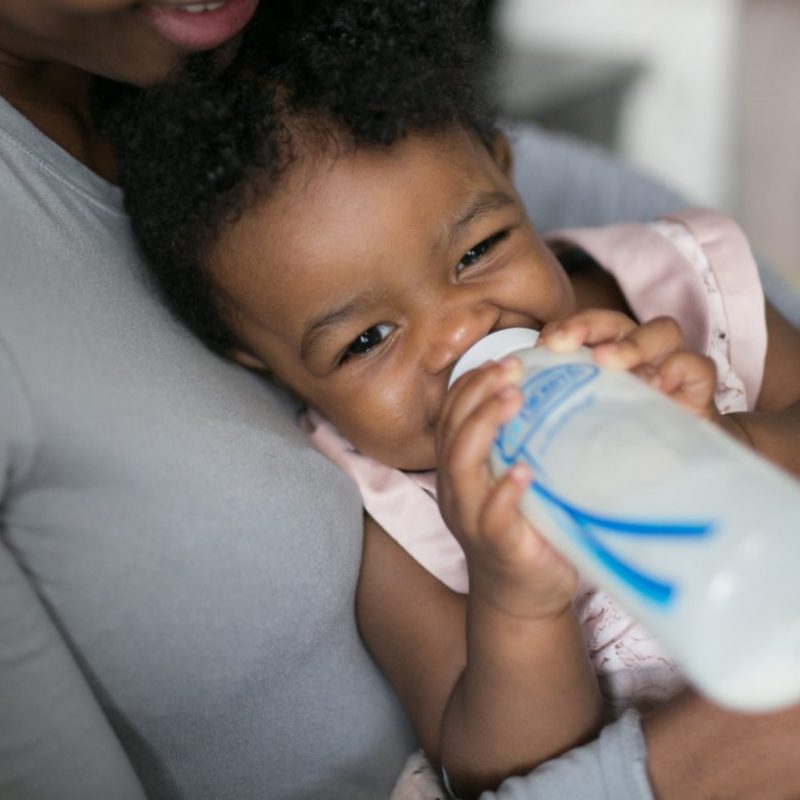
(171, 549)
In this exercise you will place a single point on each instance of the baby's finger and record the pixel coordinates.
(469, 391)
(514, 543)
(463, 478)
(467, 447)
(500, 514)
(646, 344)
(589, 327)
(690, 379)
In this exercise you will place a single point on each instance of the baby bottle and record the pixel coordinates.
(691, 532)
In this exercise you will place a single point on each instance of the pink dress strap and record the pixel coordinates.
(739, 286)
(697, 267)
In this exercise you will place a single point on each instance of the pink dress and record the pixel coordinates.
(695, 266)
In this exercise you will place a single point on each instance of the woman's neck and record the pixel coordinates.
(55, 98)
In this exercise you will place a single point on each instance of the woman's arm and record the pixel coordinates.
(688, 749)
(55, 741)
(773, 429)
(696, 750)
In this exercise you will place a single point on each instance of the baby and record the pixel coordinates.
(341, 217)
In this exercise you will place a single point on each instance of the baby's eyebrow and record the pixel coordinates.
(484, 203)
(317, 327)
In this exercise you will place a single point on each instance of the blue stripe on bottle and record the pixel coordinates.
(585, 524)
(632, 526)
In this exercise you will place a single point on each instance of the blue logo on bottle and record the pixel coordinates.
(542, 394)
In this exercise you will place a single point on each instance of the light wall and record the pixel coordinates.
(769, 142)
(679, 122)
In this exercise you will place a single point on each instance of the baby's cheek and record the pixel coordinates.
(417, 451)
(403, 444)
(389, 422)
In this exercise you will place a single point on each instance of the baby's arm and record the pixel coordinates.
(528, 689)
(773, 429)
(500, 681)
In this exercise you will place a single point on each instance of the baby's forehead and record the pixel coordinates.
(342, 221)
(323, 150)
(332, 198)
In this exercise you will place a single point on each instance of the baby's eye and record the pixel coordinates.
(370, 338)
(475, 254)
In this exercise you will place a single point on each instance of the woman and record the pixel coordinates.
(177, 566)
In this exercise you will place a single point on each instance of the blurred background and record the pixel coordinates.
(704, 94)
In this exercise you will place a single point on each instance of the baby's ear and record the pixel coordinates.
(501, 152)
(248, 360)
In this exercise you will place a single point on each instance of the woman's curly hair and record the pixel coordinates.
(194, 152)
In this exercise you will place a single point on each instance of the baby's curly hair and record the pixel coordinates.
(194, 152)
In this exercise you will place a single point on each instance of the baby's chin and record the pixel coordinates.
(422, 461)
(410, 464)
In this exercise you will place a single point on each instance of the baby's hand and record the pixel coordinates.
(510, 565)
(654, 351)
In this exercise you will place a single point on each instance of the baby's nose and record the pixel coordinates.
(452, 336)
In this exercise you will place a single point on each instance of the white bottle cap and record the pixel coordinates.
(493, 347)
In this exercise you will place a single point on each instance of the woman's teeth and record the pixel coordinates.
(200, 8)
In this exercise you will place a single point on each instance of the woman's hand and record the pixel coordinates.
(511, 567)
(654, 351)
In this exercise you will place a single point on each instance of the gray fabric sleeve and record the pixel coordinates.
(567, 183)
(55, 743)
(612, 767)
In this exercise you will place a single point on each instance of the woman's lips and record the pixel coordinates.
(200, 25)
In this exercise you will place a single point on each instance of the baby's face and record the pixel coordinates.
(364, 279)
